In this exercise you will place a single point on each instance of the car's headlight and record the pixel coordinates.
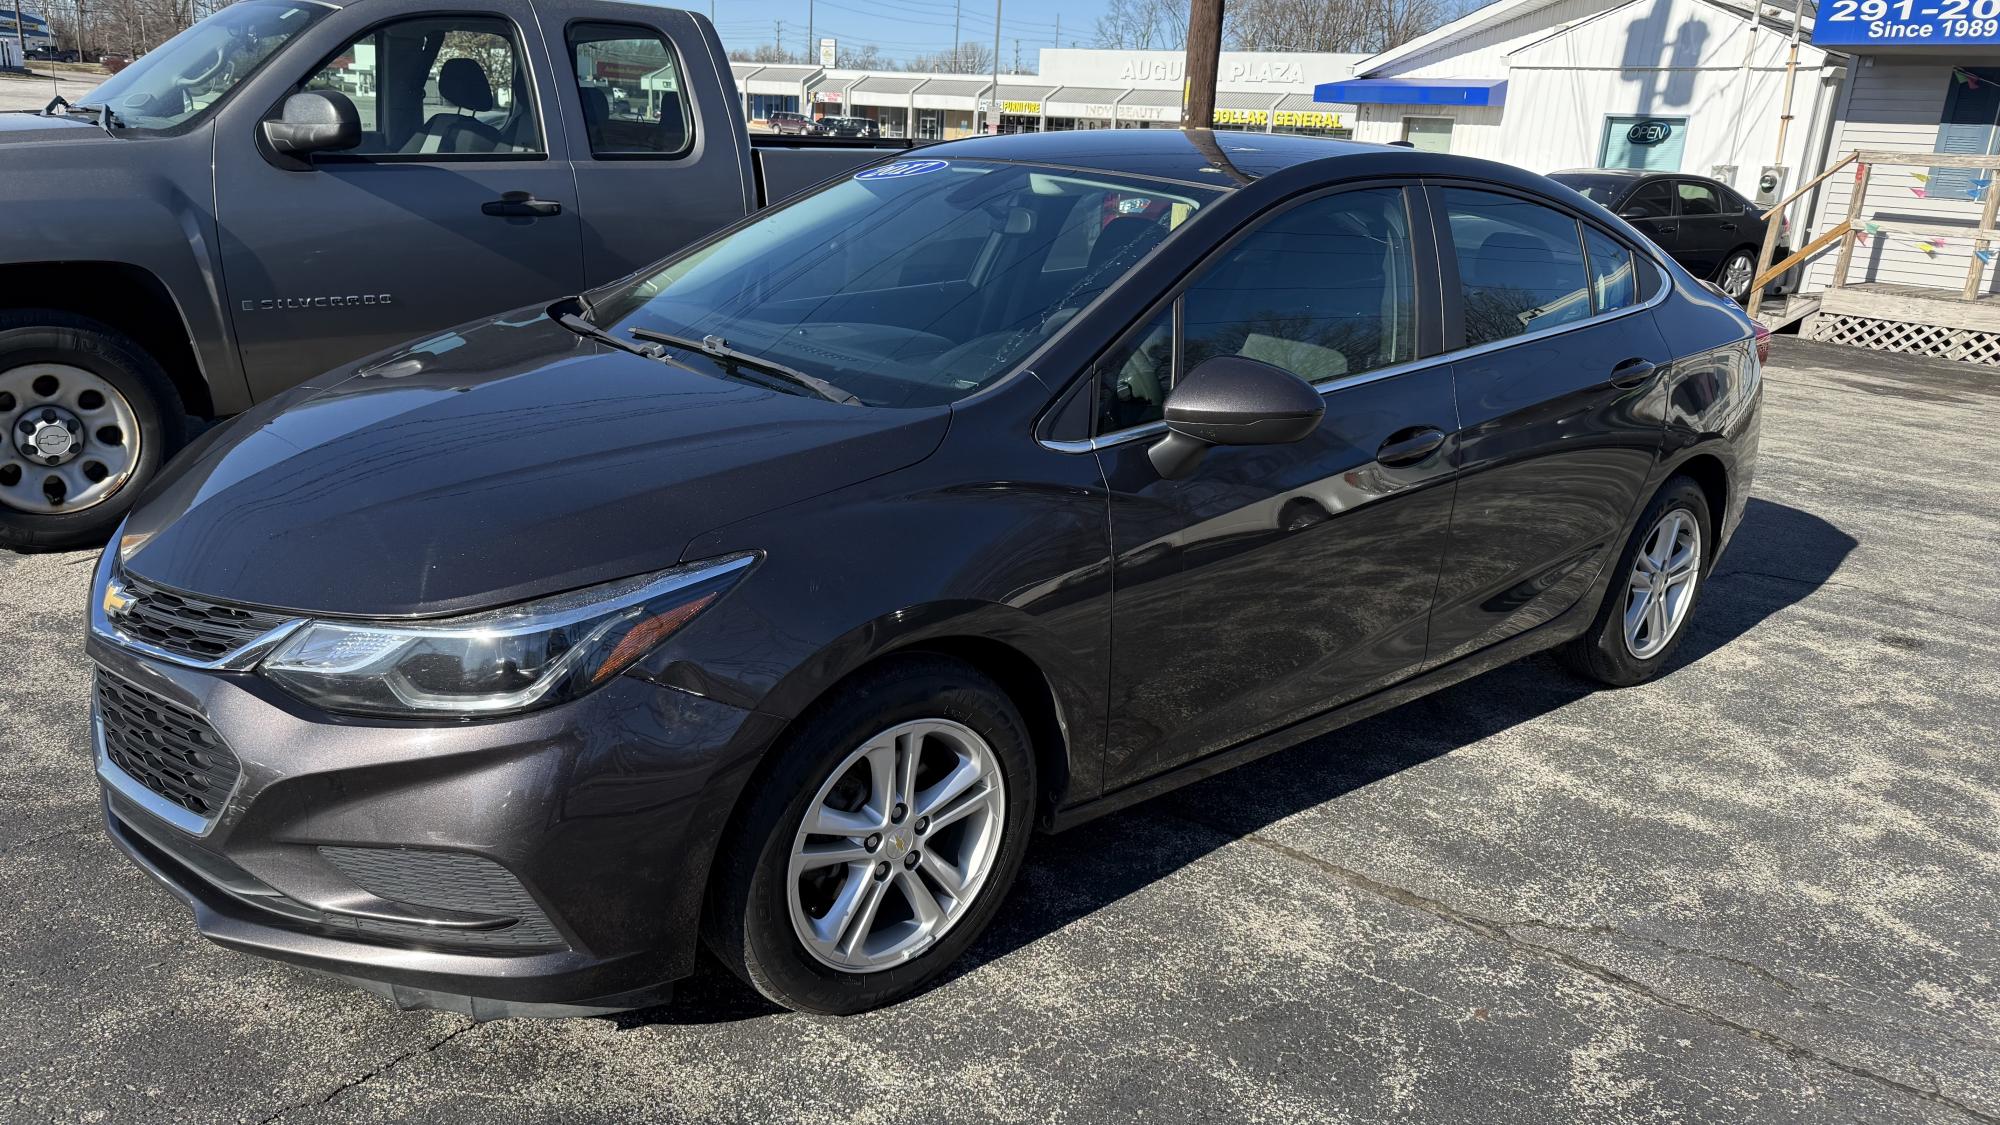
(497, 661)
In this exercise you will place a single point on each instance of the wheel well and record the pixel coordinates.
(123, 297)
(1022, 679)
(1707, 471)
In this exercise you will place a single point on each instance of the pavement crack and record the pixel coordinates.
(338, 1091)
(1499, 931)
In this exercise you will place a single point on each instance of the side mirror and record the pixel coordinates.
(1231, 400)
(1631, 213)
(314, 121)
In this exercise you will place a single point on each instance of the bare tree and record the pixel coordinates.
(765, 53)
(866, 56)
(970, 58)
(1144, 25)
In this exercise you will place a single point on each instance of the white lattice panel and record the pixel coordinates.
(1906, 336)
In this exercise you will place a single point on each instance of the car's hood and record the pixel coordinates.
(490, 465)
(26, 128)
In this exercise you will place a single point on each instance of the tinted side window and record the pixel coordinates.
(438, 86)
(630, 85)
(1326, 289)
(1653, 201)
(1612, 280)
(1520, 265)
(1698, 199)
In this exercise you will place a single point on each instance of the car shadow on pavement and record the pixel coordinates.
(1779, 556)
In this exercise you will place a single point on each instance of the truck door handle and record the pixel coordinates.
(1632, 373)
(1729, 226)
(1409, 446)
(521, 205)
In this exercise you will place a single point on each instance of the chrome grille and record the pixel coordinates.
(165, 747)
(186, 625)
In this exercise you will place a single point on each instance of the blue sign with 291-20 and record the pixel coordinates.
(1856, 23)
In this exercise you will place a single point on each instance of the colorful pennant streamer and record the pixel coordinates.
(1922, 177)
(1917, 191)
(1985, 256)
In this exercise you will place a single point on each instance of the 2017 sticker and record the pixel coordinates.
(903, 169)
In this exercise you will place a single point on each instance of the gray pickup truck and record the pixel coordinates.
(290, 185)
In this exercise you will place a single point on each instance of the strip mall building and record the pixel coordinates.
(1075, 89)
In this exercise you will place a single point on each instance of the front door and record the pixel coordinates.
(1274, 582)
(1651, 210)
(1561, 400)
(451, 208)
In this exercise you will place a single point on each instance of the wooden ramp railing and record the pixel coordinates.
(1847, 231)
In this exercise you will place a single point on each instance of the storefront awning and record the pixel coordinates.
(893, 92)
(1414, 91)
(1084, 101)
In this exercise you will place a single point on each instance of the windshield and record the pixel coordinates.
(192, 71)
(914, 283)
(1601, 190)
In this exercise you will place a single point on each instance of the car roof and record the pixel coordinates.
(1194, 155)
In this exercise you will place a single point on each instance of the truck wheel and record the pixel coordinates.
(88, 419)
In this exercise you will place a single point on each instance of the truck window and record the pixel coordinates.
(630, 86)
(437, 87)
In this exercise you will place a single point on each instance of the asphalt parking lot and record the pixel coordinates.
(1762, 888)
(34, 92)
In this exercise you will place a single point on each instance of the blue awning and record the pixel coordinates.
(1414, 91)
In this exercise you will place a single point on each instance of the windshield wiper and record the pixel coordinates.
(107, 118)
(584, 328)
(719, 348)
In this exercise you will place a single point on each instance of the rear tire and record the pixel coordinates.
(89, 417)
(856, 892)
(1736, 273)
(1653, 593)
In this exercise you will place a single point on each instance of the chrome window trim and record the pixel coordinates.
(1328, 386)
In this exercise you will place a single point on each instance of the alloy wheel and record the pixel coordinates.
(896, 845)
(1662, 582)
(1736, 276)
(71, 441)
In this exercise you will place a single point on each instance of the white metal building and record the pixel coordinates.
(1681, 85)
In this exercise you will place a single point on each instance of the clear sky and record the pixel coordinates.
(907, 27)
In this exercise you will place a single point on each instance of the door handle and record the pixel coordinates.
(1729, 226)
(521, 205)
(1409, 446)
(1632, 373)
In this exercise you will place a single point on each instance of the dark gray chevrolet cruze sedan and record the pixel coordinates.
(774, 597)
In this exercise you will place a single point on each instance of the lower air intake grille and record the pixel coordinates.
(454, 881)
(165, 747)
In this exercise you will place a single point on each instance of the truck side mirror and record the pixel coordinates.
(1233, 400)
(314, 121)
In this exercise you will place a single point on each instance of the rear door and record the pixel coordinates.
(1274, 582)
(1711, 225)
(657, 141)
(362, 249)
(1559, 376)
(1651, 208)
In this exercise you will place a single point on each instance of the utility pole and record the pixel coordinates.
(1204, 58)
(957, 59)
(1058, 31)
(1017, 55)
(993, 114)
(812, 45)
(778, 38)
(21, 33)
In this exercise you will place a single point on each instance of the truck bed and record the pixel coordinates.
(788, 165)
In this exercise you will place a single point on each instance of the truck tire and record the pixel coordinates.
(89, 417)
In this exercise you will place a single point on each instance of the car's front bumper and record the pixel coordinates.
(546, 863)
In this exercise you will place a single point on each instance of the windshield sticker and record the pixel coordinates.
(903, 169)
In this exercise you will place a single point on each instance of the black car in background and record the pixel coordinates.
(774, 596)
(850, 127)
(1703, 223)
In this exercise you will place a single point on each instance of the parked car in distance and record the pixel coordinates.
(1703, 223)
(797, 124)
(773, 597)
(115, 62)
(316, 182)
(865, 127)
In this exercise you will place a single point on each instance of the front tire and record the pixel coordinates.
(1653, 591)
(879, 842)
(89, 417)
